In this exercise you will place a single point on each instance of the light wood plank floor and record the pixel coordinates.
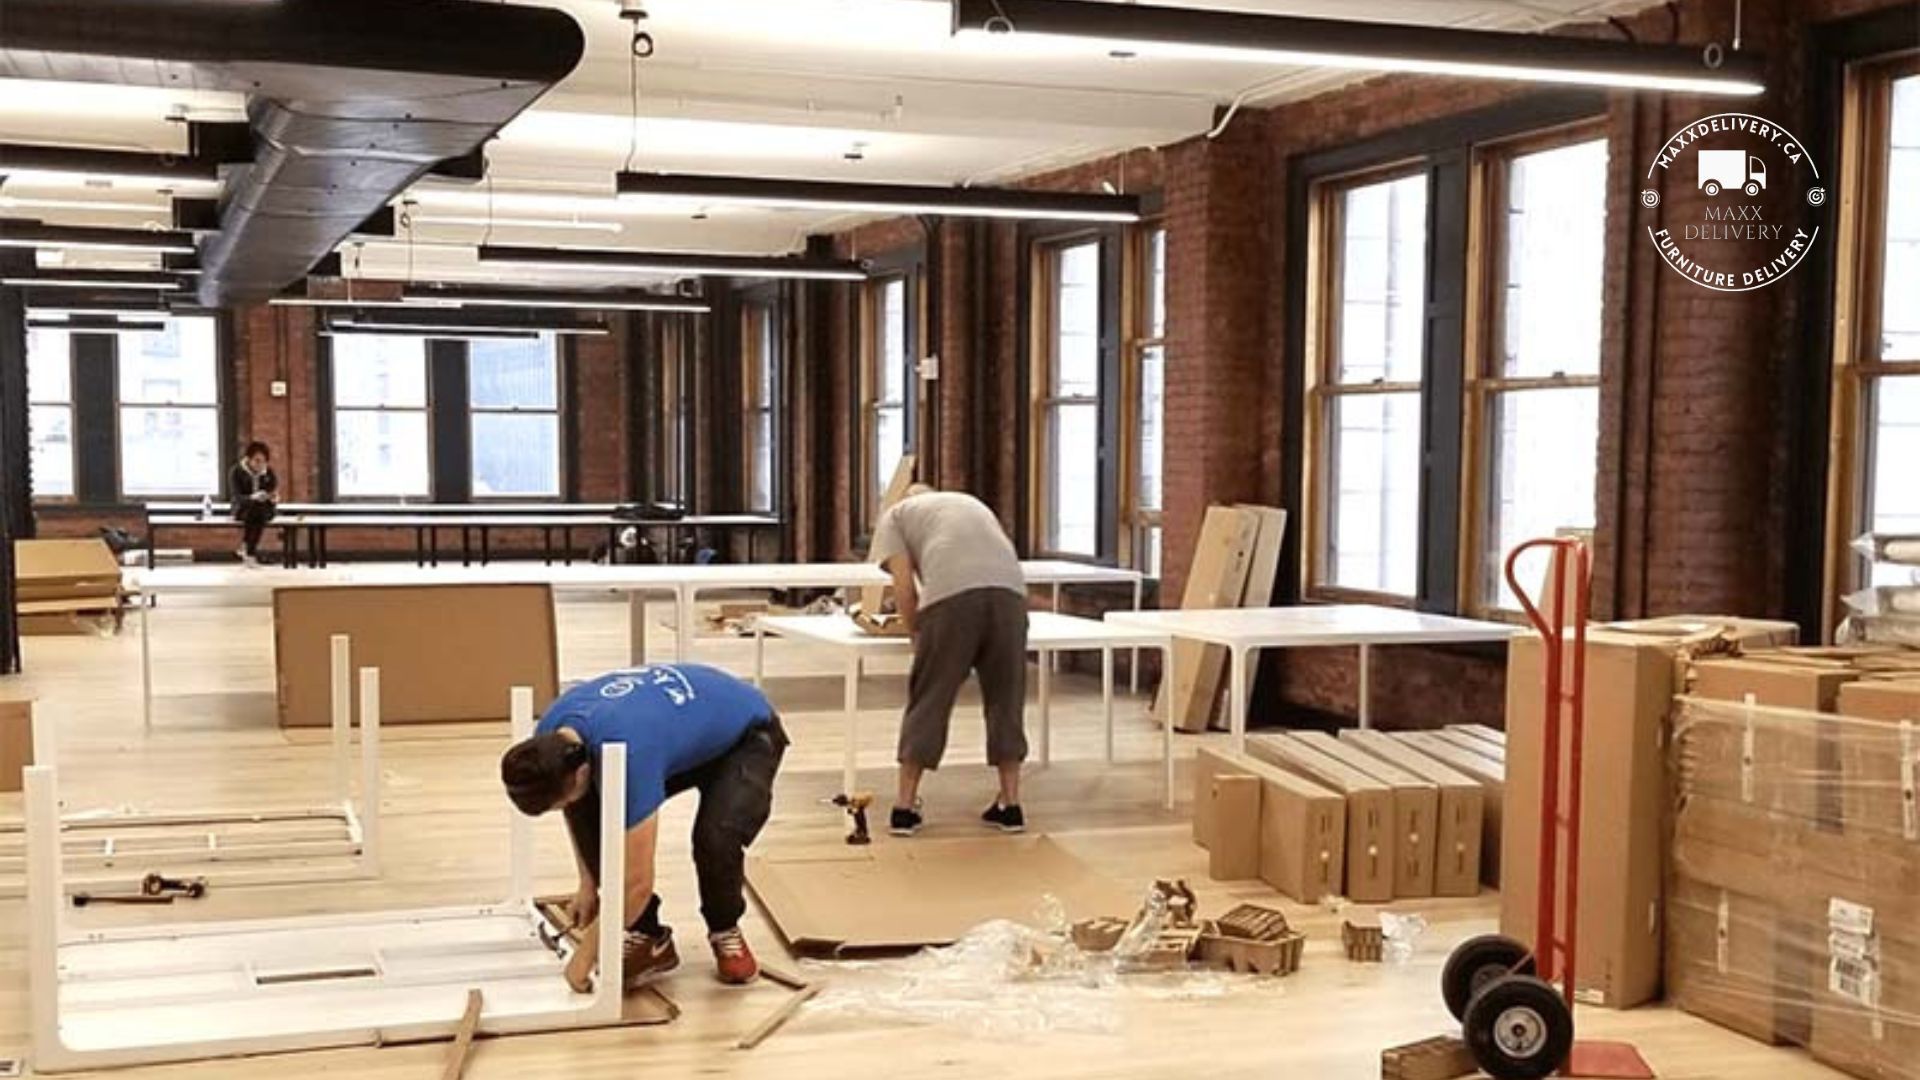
(215, 743)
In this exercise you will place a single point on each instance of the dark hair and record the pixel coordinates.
(257, 447)
(536, 771)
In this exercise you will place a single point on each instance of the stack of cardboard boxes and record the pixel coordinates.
(1795, 904)
(67, 586)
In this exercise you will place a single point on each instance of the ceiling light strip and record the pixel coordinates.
(882, 198)
(16, 233)
(93, 279)
(458, 296)
(117, 164)
(674, 263)
(1286, 40)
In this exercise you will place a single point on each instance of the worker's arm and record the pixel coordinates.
(906, 589)
(641, 841)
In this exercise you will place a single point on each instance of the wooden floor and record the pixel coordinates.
(215, 744)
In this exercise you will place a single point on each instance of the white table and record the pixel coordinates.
(1048, 633)
(684, 582)
(1244, 631)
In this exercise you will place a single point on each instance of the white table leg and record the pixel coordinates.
(341, 689)
(850, 767)
(1046, 708)
(1237, 720)
(1056, 611)
(1133, 661)
(1166, 717)
(370, 768)
(1106, 695)
(759, 654)
(685, 597)
(637, 628)
(146, 665)
(1366, 670)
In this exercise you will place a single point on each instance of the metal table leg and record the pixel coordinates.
(146, 664)
(1166, 716)
(850, 766)
(1238, 720)
(1366, 690)
(1133, 661)
(1046, 708)
(1106, 694)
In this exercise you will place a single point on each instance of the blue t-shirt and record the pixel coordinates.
(673, 718)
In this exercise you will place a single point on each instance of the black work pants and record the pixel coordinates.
(253, 524)
(736, 797)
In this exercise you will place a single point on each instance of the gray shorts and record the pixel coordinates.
(981, 631)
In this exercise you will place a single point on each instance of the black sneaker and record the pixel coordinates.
(904, 822)
(1007, 819)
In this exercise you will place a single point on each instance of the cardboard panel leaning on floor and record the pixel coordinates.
(1458, 834)
(1416, 810)
(1491, 775)
(1218, 578)
(16, 743)
(1263, 572)
(452, 652)
(1302, 826)
(1372, 848)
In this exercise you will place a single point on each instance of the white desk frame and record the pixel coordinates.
(1243, 632)
(1048, 634)
(190, 992)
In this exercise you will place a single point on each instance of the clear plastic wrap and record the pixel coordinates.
(1886, 600)
(1793, 910)
(1898, 630)
(1900, 548)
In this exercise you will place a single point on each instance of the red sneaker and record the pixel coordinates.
(732, 960)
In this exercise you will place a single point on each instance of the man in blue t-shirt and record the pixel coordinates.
(685, 726)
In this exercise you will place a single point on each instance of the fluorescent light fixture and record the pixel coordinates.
(17, 233)
(95, 322)
(116, 164)
(675, 263)
(881, 198)
(453, 325)
(574, 301)
(349, 302)
(519, 223)
(93, 279)
(338, 329)
(10, 202)
(1287, 40)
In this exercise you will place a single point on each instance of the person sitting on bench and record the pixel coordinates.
(686, 727)
(256, 491)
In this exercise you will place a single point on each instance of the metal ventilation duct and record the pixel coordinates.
(350, 101)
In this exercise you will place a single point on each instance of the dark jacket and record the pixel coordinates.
(242, 483)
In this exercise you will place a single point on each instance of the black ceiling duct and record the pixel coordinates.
(350, 101)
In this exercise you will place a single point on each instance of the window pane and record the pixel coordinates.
(1152, 568)
(1900, 316)
(509, 374)
(50, 445)
(381, 453)
(1076, 321)
(169, 451)
(1383, 270)
(1157, 283)
(890, 384)
(49, 366)
(516, 454)
(176, 365)
(1544, 442)
(760, 497)
(369, 370)
(1555, 255)
(889, 443)
(1153, 376)
(1893, 499)
(1374, 487)
(1073, 479)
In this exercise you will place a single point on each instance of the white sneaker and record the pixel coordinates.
(248, 562)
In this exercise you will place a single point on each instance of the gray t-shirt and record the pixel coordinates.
(955, 542)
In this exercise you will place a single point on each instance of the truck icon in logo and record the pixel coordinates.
(1731, 169)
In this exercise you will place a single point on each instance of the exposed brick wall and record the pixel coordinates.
(601, 462)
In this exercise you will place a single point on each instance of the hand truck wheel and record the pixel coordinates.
(1519, 1028)
(1476, 963)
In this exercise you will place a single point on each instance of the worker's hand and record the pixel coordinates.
(586, 904)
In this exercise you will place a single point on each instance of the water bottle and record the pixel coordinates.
(206, 507)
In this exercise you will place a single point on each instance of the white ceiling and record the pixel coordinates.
(752, 87)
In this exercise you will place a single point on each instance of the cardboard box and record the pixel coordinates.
(445, 652)
(1234, 852)
(1372, 837)
(1877, 755)
(1474, 743)
(83, 617)
(64, 570)
(1629, 686)
(1222, 558)
(1794, 768)
(1491, 775)
(1866, 1008)
(1301, 827)
(1416, 811)
(1739, 961)
(16, 743)
(1458, 834)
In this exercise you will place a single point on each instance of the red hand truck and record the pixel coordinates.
(1517, 1025)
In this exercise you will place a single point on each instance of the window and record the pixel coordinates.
(756, 421)
(1536, 391)
(1877, 353)
(380, 416)
(50, 412)
(1068, 414)
(1149, 400)
(170, 409)
(1366, 394)
(513, 399)
(670, 427)
(888, 382)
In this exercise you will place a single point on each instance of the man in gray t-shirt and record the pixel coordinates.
(958, 586)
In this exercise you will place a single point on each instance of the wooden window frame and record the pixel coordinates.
(72, 497)
(1043, 253)
(559, 412)
(758, 349)
(1484, 328)
(1866, 131)
(872, 310)
(330, 420)
(1322, 390)
(1137, 312)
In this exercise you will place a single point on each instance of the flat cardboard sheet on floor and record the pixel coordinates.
(898, 895)
(64, 569)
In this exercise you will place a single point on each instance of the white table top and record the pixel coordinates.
(1308, 626)
(472, 518)
(170, 509)
(1045, 631)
